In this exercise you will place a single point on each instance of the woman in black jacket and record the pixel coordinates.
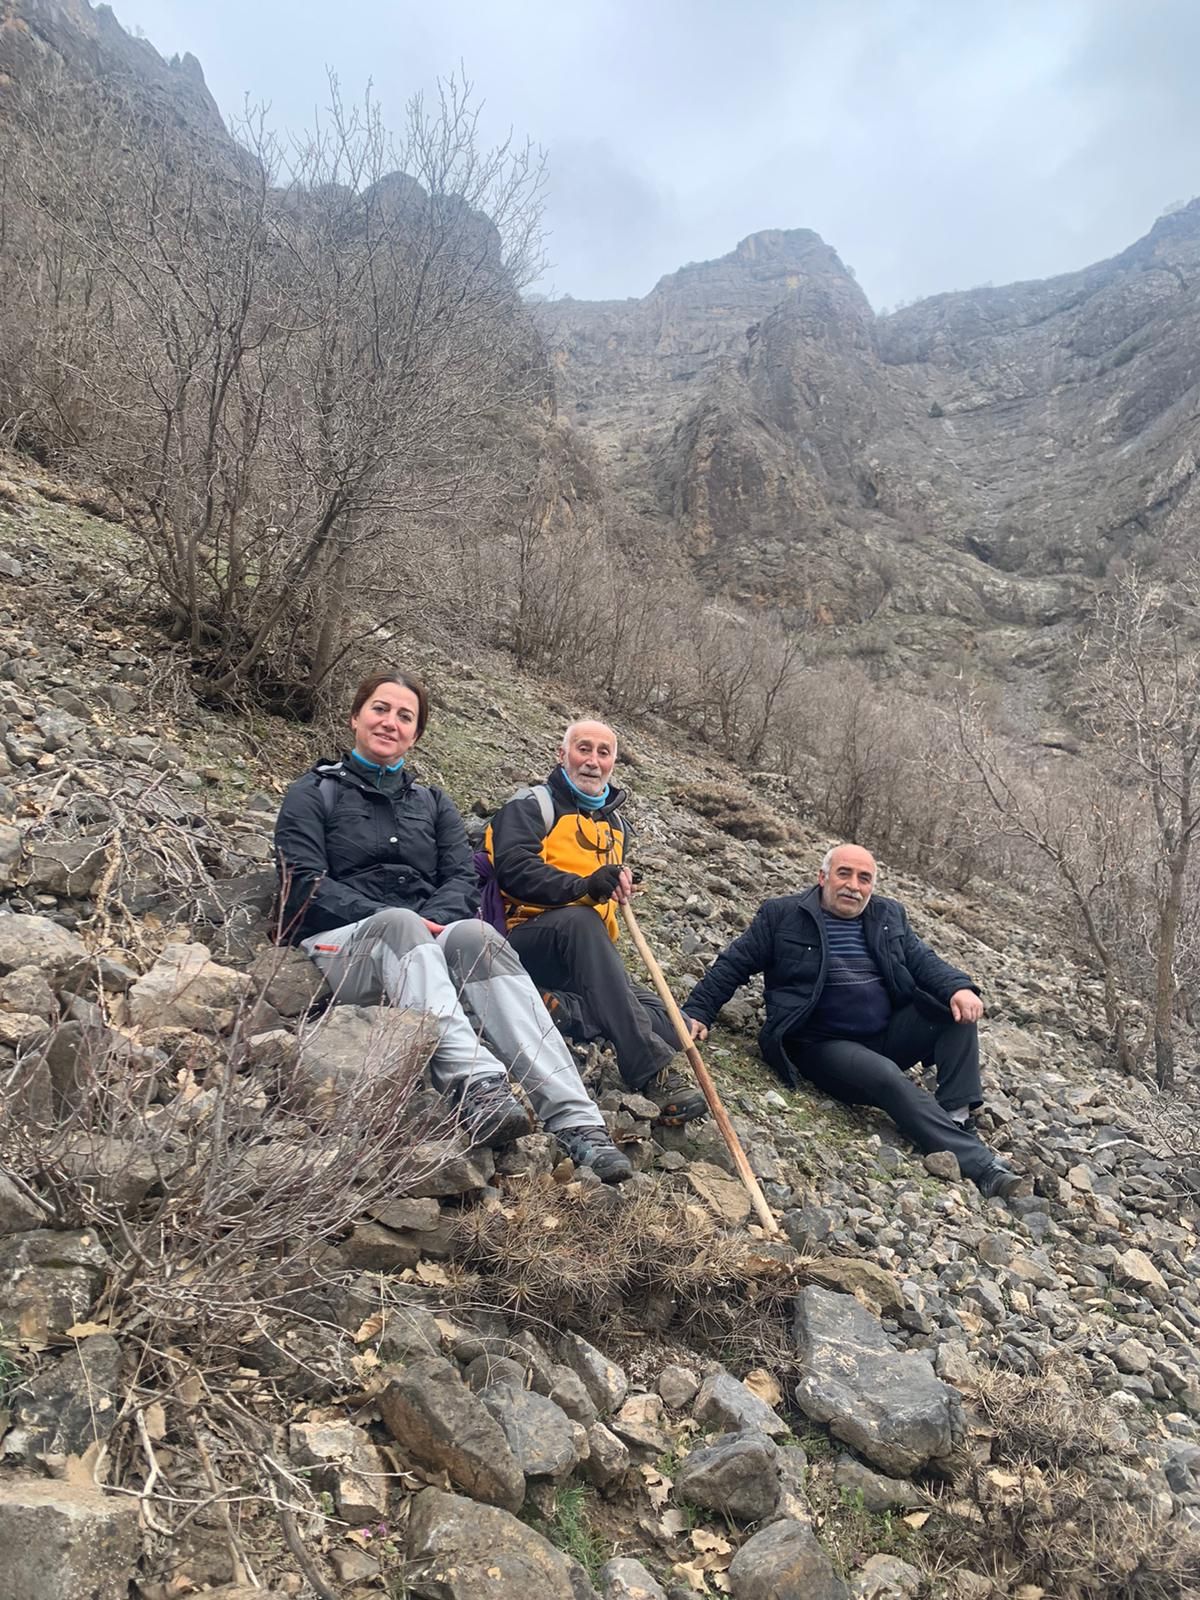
(380, 892)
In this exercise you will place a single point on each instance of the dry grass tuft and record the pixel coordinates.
(1062, 1504)
(582, 1258)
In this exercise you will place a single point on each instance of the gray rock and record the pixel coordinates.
(626, 1579)
(11, 846)
(889, 1407)
(569, 1392)
(443, 1167)
(886, 1578)
(63, 1542)
(186, 988)
(409, 1333)
(371, 1247)
(18, 1214)
(540, 1435)
(65, 867)
(735, 1475)
(68, 1406)
(942, 1164)
(784, 1562)
(48, 1281)
(640, 1423)
(459, 1550)
(349, 1467)
(287, 980)
(602, 1378)
(25, 989)
(878, 1493)
(678, 1386)
(348, 1041)
(607, 1460)
(727, 1404)
(30, 941)
(429, 1410)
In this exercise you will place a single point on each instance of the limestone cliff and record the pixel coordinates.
(980, 456)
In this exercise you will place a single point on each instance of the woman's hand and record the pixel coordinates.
(434, 927)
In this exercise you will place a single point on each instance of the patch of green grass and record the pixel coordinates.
(570, 1529)
(11, 1373)
(815, 1442)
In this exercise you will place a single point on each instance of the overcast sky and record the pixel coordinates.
(936, 144)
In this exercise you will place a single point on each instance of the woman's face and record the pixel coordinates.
(386, 727)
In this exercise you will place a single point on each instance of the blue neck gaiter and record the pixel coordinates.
(587, 802)
(373, 767)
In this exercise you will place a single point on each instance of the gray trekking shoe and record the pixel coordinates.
(592, 1147)
(490, 1114)
(677, 1098)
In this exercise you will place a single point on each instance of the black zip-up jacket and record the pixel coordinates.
(786, 942)
(368, 850)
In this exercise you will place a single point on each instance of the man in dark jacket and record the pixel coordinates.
(558, 854)
(855, 999)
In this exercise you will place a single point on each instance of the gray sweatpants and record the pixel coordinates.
(469, 978)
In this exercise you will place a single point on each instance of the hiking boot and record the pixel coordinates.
(677, 1098)
(490, 1114)
(998, 1181)
(592, 1147)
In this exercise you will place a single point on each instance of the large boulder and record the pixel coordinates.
(890, 1407)
(429, 1410)
(459, 1550)
(349, 1041)
(725, 1403)
(64, 1542)
(543, 1438)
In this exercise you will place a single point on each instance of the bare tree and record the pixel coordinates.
(1141, 684)
(1087, 830)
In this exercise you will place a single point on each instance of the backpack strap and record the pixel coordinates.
(545, 802)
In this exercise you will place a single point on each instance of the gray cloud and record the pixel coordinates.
(936, 145)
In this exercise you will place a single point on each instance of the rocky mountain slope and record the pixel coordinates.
(963, 467)
(449, 1376)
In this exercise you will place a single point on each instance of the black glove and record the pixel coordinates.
(603, 882)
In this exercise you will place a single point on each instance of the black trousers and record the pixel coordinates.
(568, 949)
(872, 1072)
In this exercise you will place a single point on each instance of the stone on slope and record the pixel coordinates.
(887, 1578)
(350, 1041)
(29, 941)
(603, 1379)
(784, 1562)
(67, 1406)
(186, 988)
(890, 1407)
(626, 1579)
(542, 1437)
(17, 1212)
(64, 1542)
(608, 1458)
(459, 1550)
(736, 1475)
(429, 1410)
(726, 1403)
(48, 1281)
(348, 1466)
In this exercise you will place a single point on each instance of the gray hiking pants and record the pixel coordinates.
(470, 979)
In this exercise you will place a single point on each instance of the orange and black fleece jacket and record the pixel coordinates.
(538, 869)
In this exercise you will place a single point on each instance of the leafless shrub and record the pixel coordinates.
(275, 357)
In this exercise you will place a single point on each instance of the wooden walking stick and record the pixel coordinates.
(688, 1045)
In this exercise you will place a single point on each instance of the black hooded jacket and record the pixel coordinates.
(786, 943)
(355, 851)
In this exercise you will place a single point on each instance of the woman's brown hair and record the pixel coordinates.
(406, 680)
